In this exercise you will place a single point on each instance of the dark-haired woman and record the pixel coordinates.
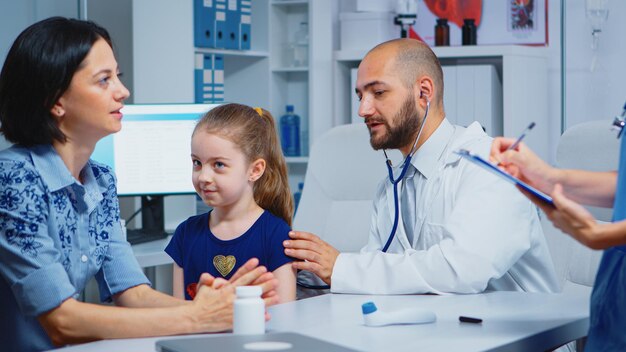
(60, 93)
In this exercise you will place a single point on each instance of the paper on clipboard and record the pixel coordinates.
(477, 160)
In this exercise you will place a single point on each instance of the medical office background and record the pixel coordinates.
(586, 94)
(155, 49)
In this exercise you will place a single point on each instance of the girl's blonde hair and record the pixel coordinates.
(255, 134)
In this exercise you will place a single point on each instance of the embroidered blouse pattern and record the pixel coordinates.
(19, 185)
(23, 193)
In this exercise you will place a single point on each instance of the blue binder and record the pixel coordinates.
(245, 24)
(204, 23)
(218, 78)
(232, 24)
(204, 88)
(221, 24)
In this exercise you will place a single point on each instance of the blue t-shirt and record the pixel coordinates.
(55, 235)
(196, 249)
(607, 320)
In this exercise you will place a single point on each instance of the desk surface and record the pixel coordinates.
(152, 253)
(511, 321)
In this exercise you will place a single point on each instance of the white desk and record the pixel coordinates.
(152, 253)
(512, 321)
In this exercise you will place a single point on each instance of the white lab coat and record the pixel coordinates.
(473, 231)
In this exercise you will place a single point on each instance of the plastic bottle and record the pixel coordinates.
(297, 195)
(301, 46)
(290, 132)
(374, 317)
(249, 311)
(442, 32)
(469, 32)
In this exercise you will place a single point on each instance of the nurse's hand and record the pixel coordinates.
(523, 164)
(573, 219)
(317, 256)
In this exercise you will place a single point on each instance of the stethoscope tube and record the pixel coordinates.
(396, 201)
(405, 166)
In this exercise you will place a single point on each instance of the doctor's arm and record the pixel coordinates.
(484, 234)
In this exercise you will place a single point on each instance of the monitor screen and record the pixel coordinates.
(150, 155)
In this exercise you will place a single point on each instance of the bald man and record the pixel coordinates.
(461, 229)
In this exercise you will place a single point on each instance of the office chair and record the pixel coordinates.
(588, 146)
(339, 187)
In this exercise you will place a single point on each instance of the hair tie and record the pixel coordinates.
(259, 111)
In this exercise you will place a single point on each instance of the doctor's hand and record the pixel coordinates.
(317, 256)
(523, 164)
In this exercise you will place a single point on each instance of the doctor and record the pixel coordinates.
(461, 230)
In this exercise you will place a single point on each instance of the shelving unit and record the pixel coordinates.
(264, 76)
(531, 83)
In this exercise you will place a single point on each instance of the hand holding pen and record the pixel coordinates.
(499, 145)
(519, 139)
(515, 158)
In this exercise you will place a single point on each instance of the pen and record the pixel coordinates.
(517, 142)
(464, 319)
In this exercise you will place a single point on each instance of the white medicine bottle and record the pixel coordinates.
(249, 311)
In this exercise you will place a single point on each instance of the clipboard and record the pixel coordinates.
(477, 160)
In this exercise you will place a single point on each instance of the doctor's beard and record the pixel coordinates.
(406, 122)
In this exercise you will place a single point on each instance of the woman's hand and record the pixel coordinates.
(249, 274)
(523, 164)
(212, 308)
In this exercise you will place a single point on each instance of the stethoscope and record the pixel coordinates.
(395, 182)
(396, 202)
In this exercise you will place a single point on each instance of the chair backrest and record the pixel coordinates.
(340, 185)
(588, 146)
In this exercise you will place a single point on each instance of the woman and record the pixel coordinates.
(60, 93)
(567, 187)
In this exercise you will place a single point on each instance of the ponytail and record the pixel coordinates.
(254, 131)
(271, 191)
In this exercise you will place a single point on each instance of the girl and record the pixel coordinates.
(239, 171)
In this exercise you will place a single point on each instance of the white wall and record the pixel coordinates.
(600, 94)
(116, 17)
(163, 51)
(16, 15)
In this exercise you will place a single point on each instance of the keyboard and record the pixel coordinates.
(139, 236)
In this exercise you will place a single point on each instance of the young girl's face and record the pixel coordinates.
(221, 173)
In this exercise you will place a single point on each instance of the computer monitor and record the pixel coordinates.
(150, 156)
